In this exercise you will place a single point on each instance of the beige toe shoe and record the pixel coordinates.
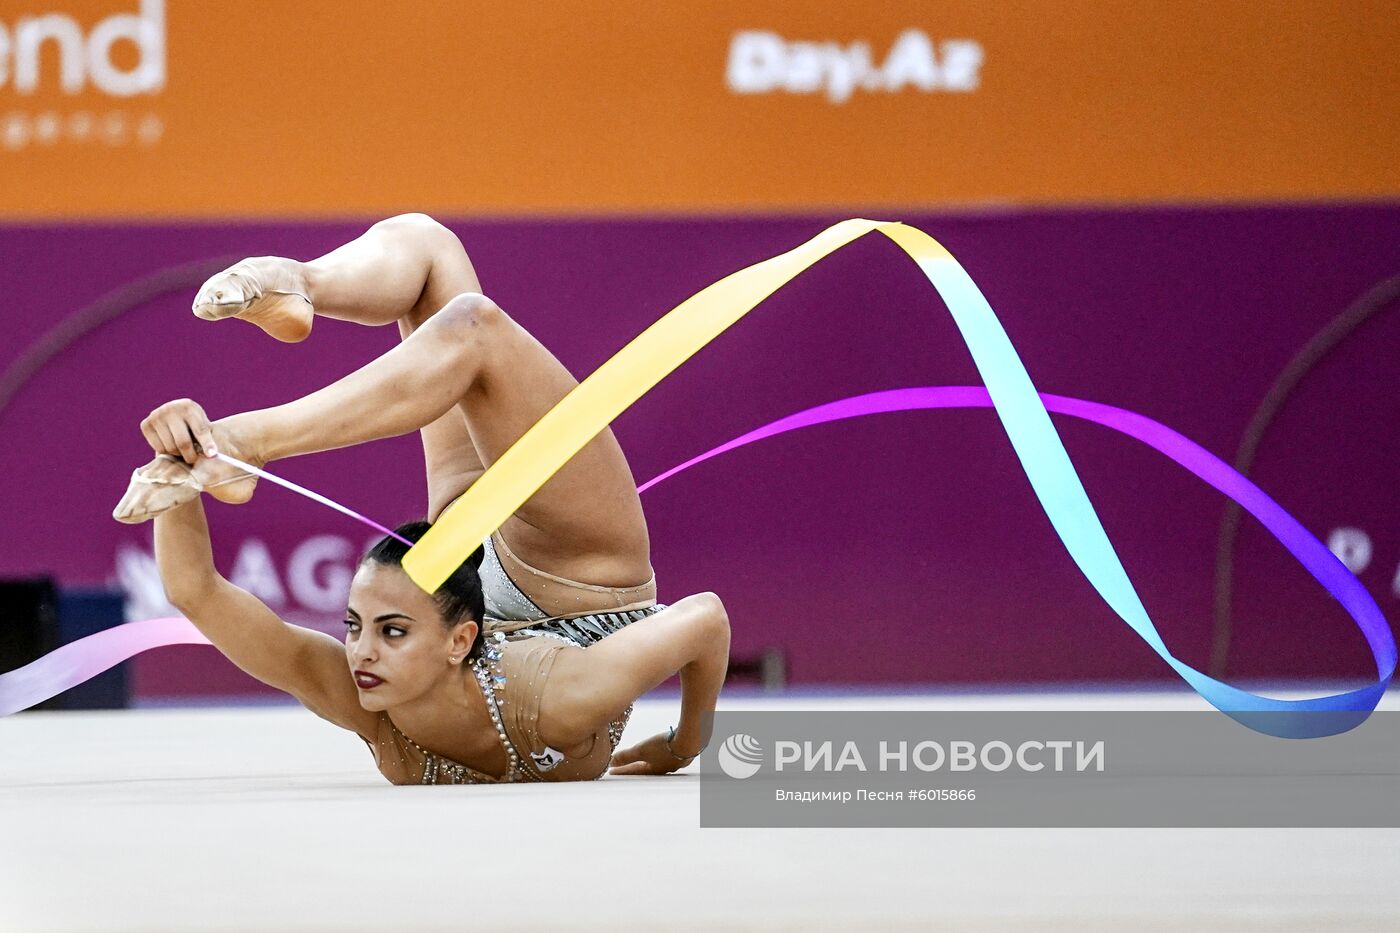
(251, 291)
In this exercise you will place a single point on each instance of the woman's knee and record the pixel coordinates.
(469, 316)
(420, 228)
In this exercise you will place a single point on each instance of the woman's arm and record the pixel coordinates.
(309, 665)
(589, 688)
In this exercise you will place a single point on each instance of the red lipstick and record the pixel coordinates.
(367, 681)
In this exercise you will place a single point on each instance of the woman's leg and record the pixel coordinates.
(475, 381)
(585, 523)
(401, 270)
(406, 266)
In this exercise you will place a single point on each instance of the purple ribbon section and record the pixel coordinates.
(1309, 718)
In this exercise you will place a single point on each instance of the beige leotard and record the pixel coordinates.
(511, 676)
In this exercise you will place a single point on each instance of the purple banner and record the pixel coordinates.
(899, 548)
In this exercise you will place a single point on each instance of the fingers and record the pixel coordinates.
(626, 756)
(630, 761)
(176, 437)
(635, 760)
(164, 442)
(180, 429)
(185, 440)
(644, 767)
(148, 431)
(204, 436)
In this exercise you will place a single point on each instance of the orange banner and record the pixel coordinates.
(255, 108)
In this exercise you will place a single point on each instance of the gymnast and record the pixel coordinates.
(524, 664)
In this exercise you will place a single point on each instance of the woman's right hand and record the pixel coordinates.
(180, 429)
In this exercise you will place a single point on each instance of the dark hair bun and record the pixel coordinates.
(477, 556)
(460, 597)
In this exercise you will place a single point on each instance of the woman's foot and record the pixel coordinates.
(268, 291)
(160, 485)
(167, 482)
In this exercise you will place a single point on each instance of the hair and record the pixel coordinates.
(459, 598)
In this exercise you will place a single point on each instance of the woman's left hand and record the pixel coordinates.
(650, 756)
(180, 429)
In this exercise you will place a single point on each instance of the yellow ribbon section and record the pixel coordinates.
(632, 372)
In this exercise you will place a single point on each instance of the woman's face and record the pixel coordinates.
(394, 632)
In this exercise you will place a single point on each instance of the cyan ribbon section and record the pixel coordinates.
(1062, 495)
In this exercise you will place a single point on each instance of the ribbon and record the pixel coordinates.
(672, 340)
(1308, 718)
(657, 351)
(313, 496)
(81, 660)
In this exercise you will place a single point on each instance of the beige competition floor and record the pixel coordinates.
(270, 819)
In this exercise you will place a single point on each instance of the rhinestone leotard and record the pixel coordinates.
(511, 676)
